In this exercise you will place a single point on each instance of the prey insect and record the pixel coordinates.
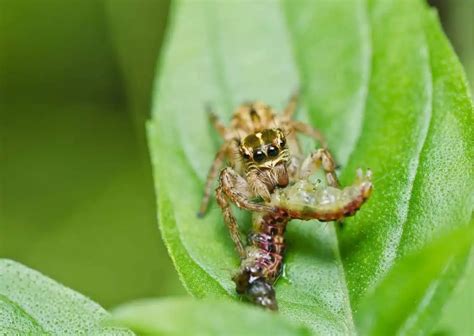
(268, 175)
(302, 200)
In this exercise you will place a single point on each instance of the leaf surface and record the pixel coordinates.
(184, 316)
(375, 317)
(380, 80)
(32, 304)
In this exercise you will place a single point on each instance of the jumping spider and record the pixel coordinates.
(263, 152)
(265, 162)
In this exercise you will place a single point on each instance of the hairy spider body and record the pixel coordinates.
(265, 163)
(257, 147)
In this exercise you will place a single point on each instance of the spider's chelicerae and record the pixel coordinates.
(268, 175)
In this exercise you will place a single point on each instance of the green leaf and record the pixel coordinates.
(71, 178)
(184, 316)
(32, 304)
(138, 62)
(457, 20)
(457, 314)
(375, 317)
(382, 83)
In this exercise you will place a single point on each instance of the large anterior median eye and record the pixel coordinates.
(258, 156)
(272, 151)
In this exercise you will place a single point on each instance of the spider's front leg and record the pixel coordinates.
(320, 158)
(234, 188)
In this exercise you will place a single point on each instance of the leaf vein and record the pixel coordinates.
(414, 172)
(8, 301)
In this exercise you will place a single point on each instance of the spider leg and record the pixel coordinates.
(293, 167)
(233, 188)
(211, 176)
(230, 221)
(308, 130)
(237, 190)
(292, 105)
(216, 123)
(321, 157)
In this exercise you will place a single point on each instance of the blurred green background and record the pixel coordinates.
(77, 200)
(76, 197)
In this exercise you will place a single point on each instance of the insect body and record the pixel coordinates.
(301, 200)
(264, 157)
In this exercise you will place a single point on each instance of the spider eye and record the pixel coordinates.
(245, 156)
(272, 151)
(259, 156)
(282, 142)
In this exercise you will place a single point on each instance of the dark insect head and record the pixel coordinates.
(255, 289)
(262, 293)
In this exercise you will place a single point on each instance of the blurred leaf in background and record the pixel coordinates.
(76, 196)
(62, 311)
(137, 28)
(457, 17)
(398, 302)
(185, 316)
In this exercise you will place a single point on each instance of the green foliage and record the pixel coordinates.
(406, 292)
(137, 48)
(457, 314)
(32, 304)
(382, 82)
(211, 317)
(378, 78)
(456, 16)
(76, 198)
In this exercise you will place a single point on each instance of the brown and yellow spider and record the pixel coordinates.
(262, 152)
(266, 162)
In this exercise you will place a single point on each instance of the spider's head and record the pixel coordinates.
(265, 156)
(264, 150)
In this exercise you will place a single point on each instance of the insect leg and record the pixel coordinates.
(322, 157)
